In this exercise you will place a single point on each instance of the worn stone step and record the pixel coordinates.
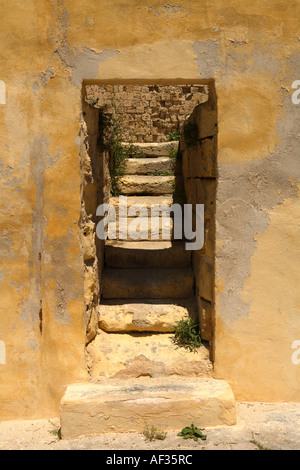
(145, 314)
(143, 206)
(141, 184)
(153, 149)
(148, 166)
(142, 229)
(138, 354)
(169, 404)
(141, 202)
(146, 254)
(147, 283)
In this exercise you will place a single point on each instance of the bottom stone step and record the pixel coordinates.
(128, 406)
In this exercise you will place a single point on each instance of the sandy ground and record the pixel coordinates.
(260, 426)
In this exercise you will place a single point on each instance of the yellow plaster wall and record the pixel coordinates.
(47, 48)
(256, 352)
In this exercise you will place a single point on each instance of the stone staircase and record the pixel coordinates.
(137, 373)
(147, 285)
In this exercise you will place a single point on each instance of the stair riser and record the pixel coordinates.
(139, 284)
(142, 202)
(152, 185)
(153, 150)
(134, 258)
(141, 354)
(144, 316)
(95, 409)
(132, 229)
(148, 166)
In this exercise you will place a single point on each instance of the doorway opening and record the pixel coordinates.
(136, 290)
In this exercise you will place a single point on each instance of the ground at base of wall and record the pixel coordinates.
(260, 426)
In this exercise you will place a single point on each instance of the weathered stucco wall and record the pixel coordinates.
(251, 50)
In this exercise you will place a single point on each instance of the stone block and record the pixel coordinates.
(140, 354)
(145, 315)
(206, 194)
(170, 404)
(206, 318)
(205, 116)
(140, 184)
(148, 166)
(204, 269)
(87, 241)
(208, 150)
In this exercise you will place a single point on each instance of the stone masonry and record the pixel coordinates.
(148, 112)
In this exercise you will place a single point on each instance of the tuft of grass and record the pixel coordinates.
(173, 153)
(152, 433)
(56, 431)
(258, 444)
(92, 102)
(119, 153)
(187, 335)
(111, 138)
(174, 135)
(161, 173)
(192, 432)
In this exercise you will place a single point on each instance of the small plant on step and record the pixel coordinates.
(258, 444)
(55, 431)
(192, 432)
(92, 102)
(175, 154)
(161, 173)
(187, 335)
(119, 154)
(174, 136)
(112, 133)
(152, 433)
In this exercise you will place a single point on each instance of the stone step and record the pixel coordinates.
(142, 202)
(153, 149)
(146, 254)
(141, 184)
(150, 166)
(139, 354)
(145, 314)
(147, 283)
(142, 229)
(168, 403)
(136, 206)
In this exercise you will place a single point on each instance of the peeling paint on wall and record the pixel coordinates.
(208, 58)
(81, 65)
